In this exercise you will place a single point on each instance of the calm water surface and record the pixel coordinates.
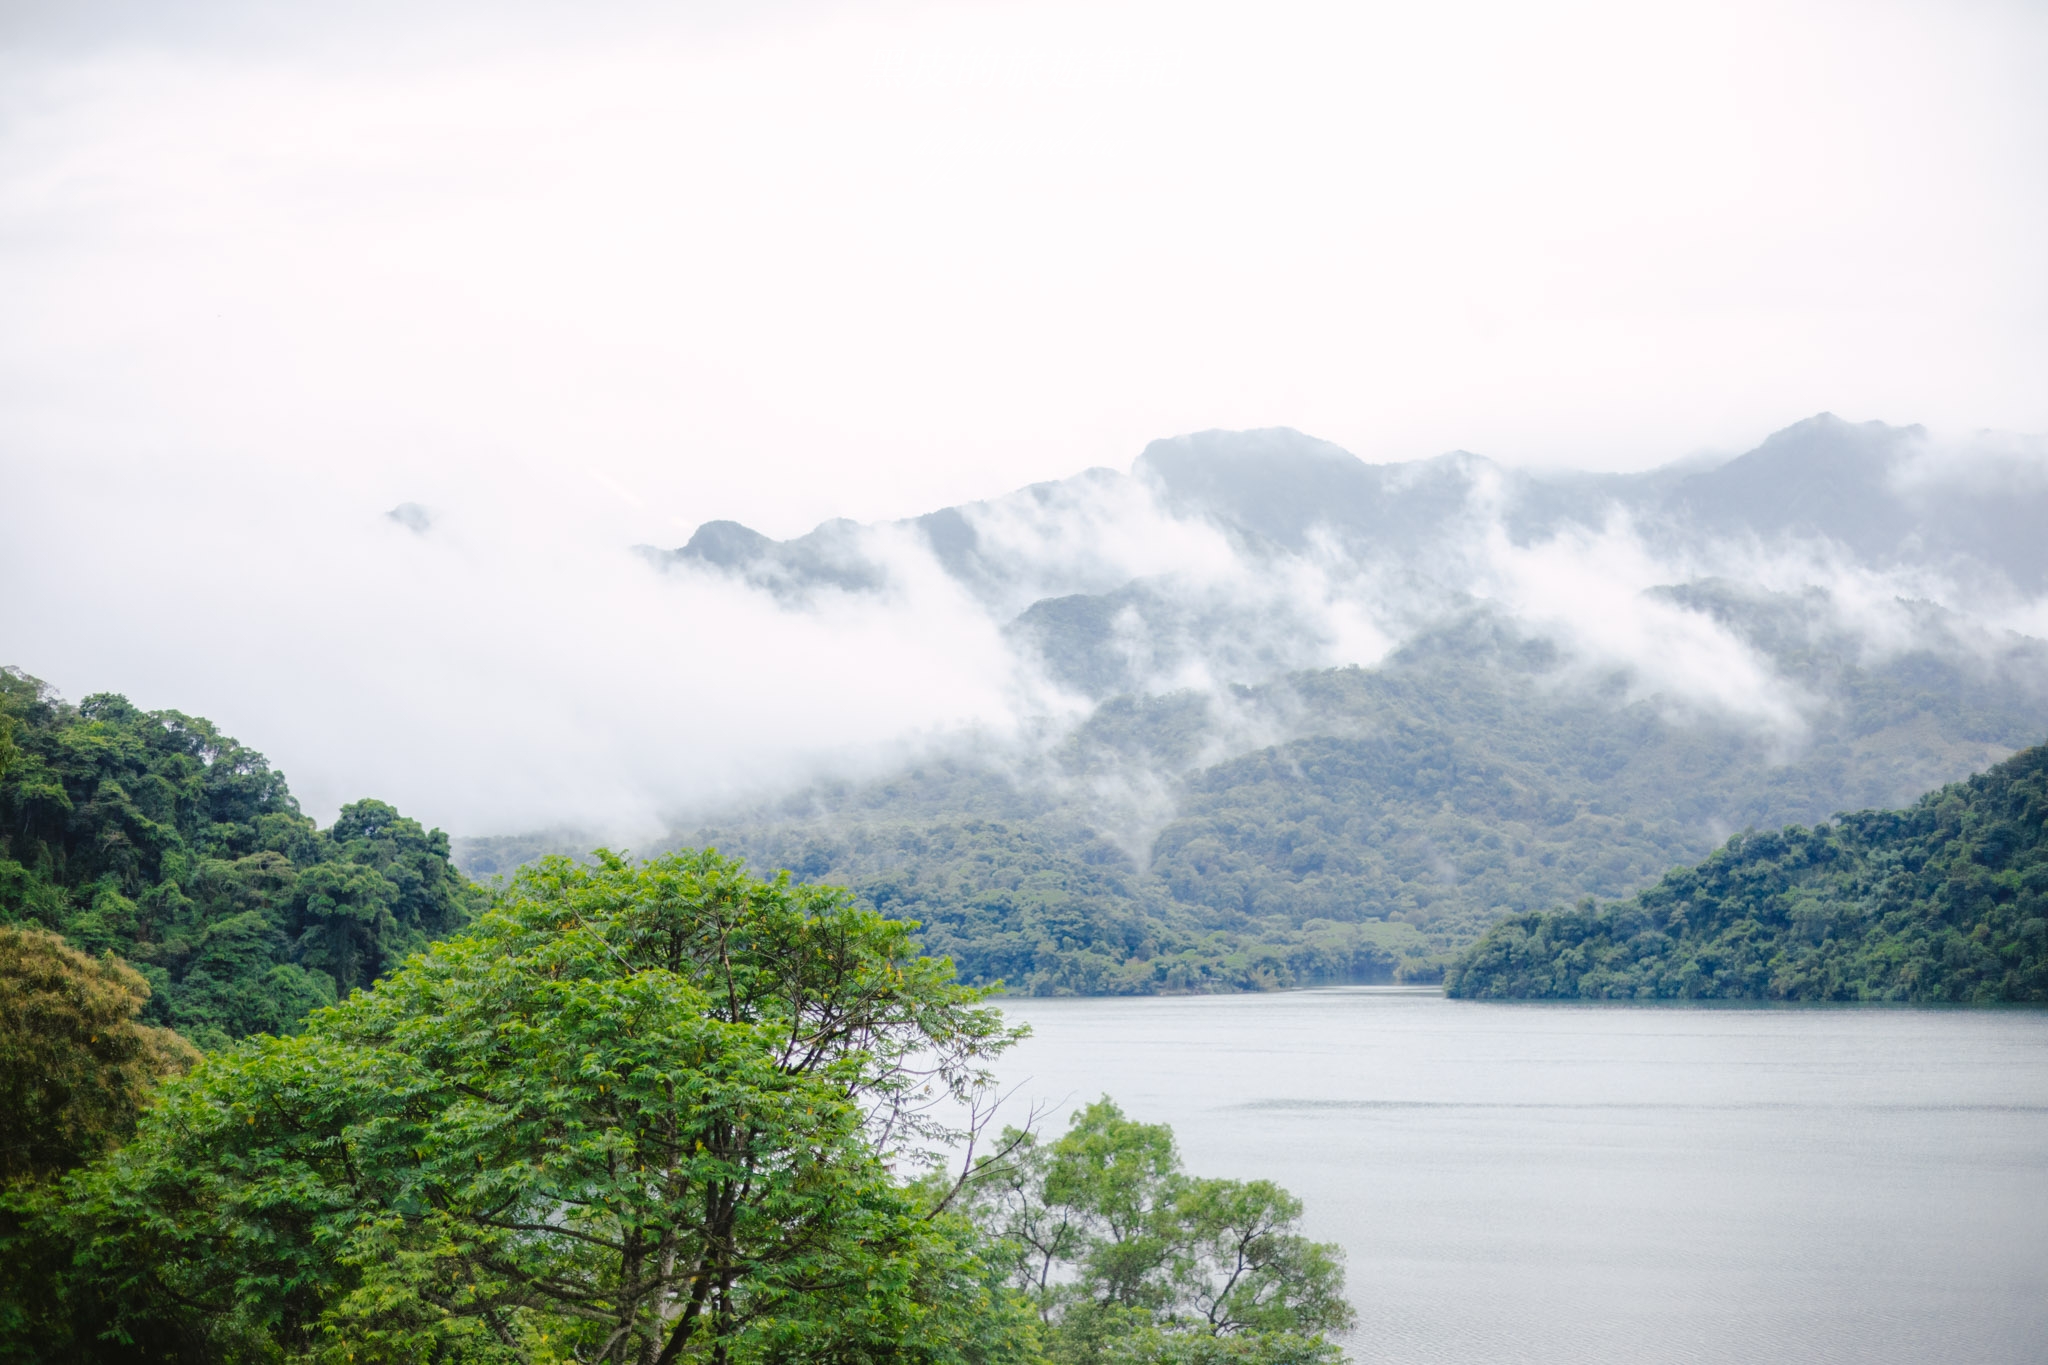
(1567, 1184)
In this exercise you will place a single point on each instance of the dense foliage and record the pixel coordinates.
(77, 1066)
(1374, 822)
(1945, 901)
(152, 835)
(641, 1113)
(77, 1070)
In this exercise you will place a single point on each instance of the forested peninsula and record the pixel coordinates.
(1946, 901)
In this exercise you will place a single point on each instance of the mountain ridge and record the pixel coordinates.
(1820, 476)
(1944, 901)
(1302, 717)
(1365, 823)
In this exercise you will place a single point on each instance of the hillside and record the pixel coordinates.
(1281, 714)
(1946, 901)
(1393, 815)
(151, 835)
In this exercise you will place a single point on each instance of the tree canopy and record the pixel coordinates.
(77, 1071)
(77, 1067)
(1944, 901)
(152, 835)
(646, 1113)
(1128, 1258)
(638, 1114)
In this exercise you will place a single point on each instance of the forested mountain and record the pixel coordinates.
(152, 835)
(1391, 815)
(1944, 901)
(1570, 683)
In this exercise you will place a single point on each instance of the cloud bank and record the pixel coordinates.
(497, 656)
(554, 284)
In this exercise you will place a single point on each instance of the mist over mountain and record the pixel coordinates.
(1236, 556)
(1277, 714)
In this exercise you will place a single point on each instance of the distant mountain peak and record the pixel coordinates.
(727, 544)
(1255, 445)
(1277, 492)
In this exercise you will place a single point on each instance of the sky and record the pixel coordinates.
(574, 281)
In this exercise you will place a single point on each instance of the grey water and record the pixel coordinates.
(1526, 1183)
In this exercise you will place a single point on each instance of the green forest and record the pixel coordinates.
(646, 1113)
(275, 1093)
(151, 835)
(271, 1093)
(1945, 901)
(1400, 812)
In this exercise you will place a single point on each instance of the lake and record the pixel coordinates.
(1538, 1183)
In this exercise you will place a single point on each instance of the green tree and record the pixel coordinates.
(1127, 1258)
(640, 1113)
(386, 890)
(10, 754)
(77, 1069)
(342, 911)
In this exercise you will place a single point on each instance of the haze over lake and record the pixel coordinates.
(1568, 1184)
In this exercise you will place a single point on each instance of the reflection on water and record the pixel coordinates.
(1553, 1184)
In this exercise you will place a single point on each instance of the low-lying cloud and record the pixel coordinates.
(500, 659)
(349, 352)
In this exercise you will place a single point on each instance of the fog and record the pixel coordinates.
(570, 285)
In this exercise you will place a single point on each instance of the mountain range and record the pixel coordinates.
(1285, 715)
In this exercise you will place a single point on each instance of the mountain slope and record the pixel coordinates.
(1369, 822)
(151, 835)
(1944, 901)
(1572, 682)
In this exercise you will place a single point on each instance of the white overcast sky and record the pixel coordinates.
(596, 273)
(785, 262)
